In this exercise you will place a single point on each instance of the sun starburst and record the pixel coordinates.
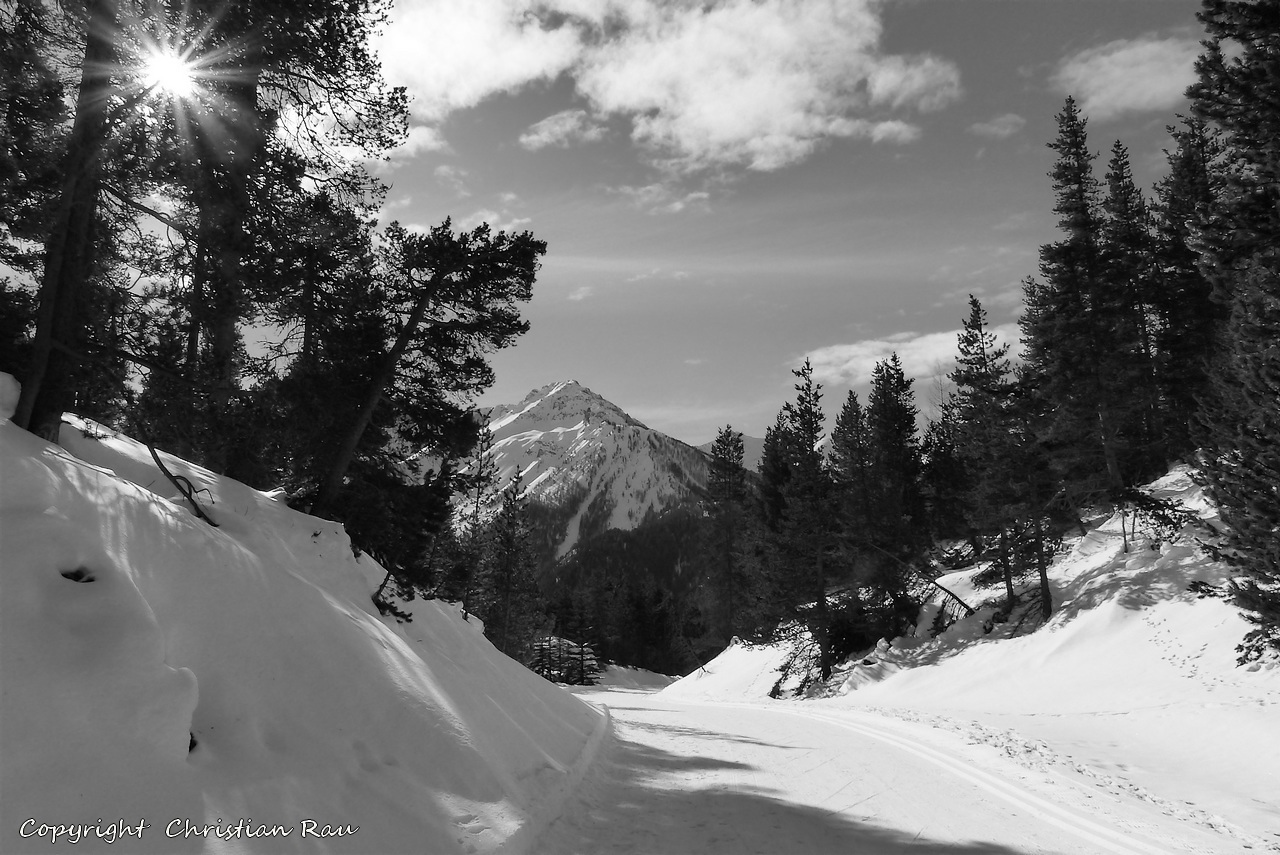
(170, 73)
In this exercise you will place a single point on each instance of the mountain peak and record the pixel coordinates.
(590, 465)
(561, 403)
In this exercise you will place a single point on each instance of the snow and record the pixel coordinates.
(622, 677)
(156, 669)
(168, 686)
(1130, 688)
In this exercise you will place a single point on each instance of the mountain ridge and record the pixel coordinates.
(590, 465)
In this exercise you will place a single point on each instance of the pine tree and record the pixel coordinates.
(1189, 321)
(798, 521)
(1083, 340)
(898, 511)
(943, 477)
(1239, 92)
(71, 246)
(31, 130)
(1128, 259)
(726, 494)
(508, 599)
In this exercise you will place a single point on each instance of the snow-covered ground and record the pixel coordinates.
(234, 690)
(156, 670)
(1130, 691)
(719, 778)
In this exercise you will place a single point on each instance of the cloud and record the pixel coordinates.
(759, 84)
(1129, 75)
(999, 128)
(922, 355)
(421, 138)
(452, 54)
(562, 129)
(663, 197)
(659, 273)
(498, 221)
(582, 293)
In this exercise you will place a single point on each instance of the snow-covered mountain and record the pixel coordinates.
(589, 464)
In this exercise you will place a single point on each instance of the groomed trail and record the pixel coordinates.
(794, 777)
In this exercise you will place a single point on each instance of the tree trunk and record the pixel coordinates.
(1042, 565)
(822, 623)
(1011, 597)
(70, 250)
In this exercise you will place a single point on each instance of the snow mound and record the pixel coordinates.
(169, 674)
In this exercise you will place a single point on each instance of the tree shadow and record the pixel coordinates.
(628, 805)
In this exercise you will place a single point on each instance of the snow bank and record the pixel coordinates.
(157, 670)
(622, 677)
(1132, 683)
(740, 672)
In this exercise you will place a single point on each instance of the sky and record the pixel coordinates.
(728, 187)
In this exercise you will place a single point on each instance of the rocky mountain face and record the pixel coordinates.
(587, 466)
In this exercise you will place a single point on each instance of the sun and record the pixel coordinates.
(169, 72)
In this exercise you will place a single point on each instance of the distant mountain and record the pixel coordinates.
(589, 467)
(752, 450)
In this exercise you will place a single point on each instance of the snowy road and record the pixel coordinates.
(800, 778)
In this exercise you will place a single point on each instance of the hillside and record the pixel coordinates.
(156, 669)
(590, 466)
(1131, 689)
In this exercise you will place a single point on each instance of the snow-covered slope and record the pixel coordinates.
(590, 462)
(157, 670)
(1130, 688)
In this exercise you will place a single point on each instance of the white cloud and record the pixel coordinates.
(747, 83)
(498, 221)
(759, 83)
(922, 354)
(452, 54)
(421, 138)
(999, 128)
(1129, 75)
(582, 293)
(562, 129)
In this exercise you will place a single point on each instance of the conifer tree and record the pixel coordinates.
(1238, 91)
(726, 493)
(1189, 321)
(1083, 346)
(798, 519)
(943, 477)
(508, 598)
(898, 511)
(1128, 249)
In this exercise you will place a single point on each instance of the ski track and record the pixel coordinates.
(721, 778)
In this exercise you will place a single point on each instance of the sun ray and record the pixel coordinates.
(169, 72)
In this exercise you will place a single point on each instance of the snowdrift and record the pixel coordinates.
(1132, 685)
(233, 689)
